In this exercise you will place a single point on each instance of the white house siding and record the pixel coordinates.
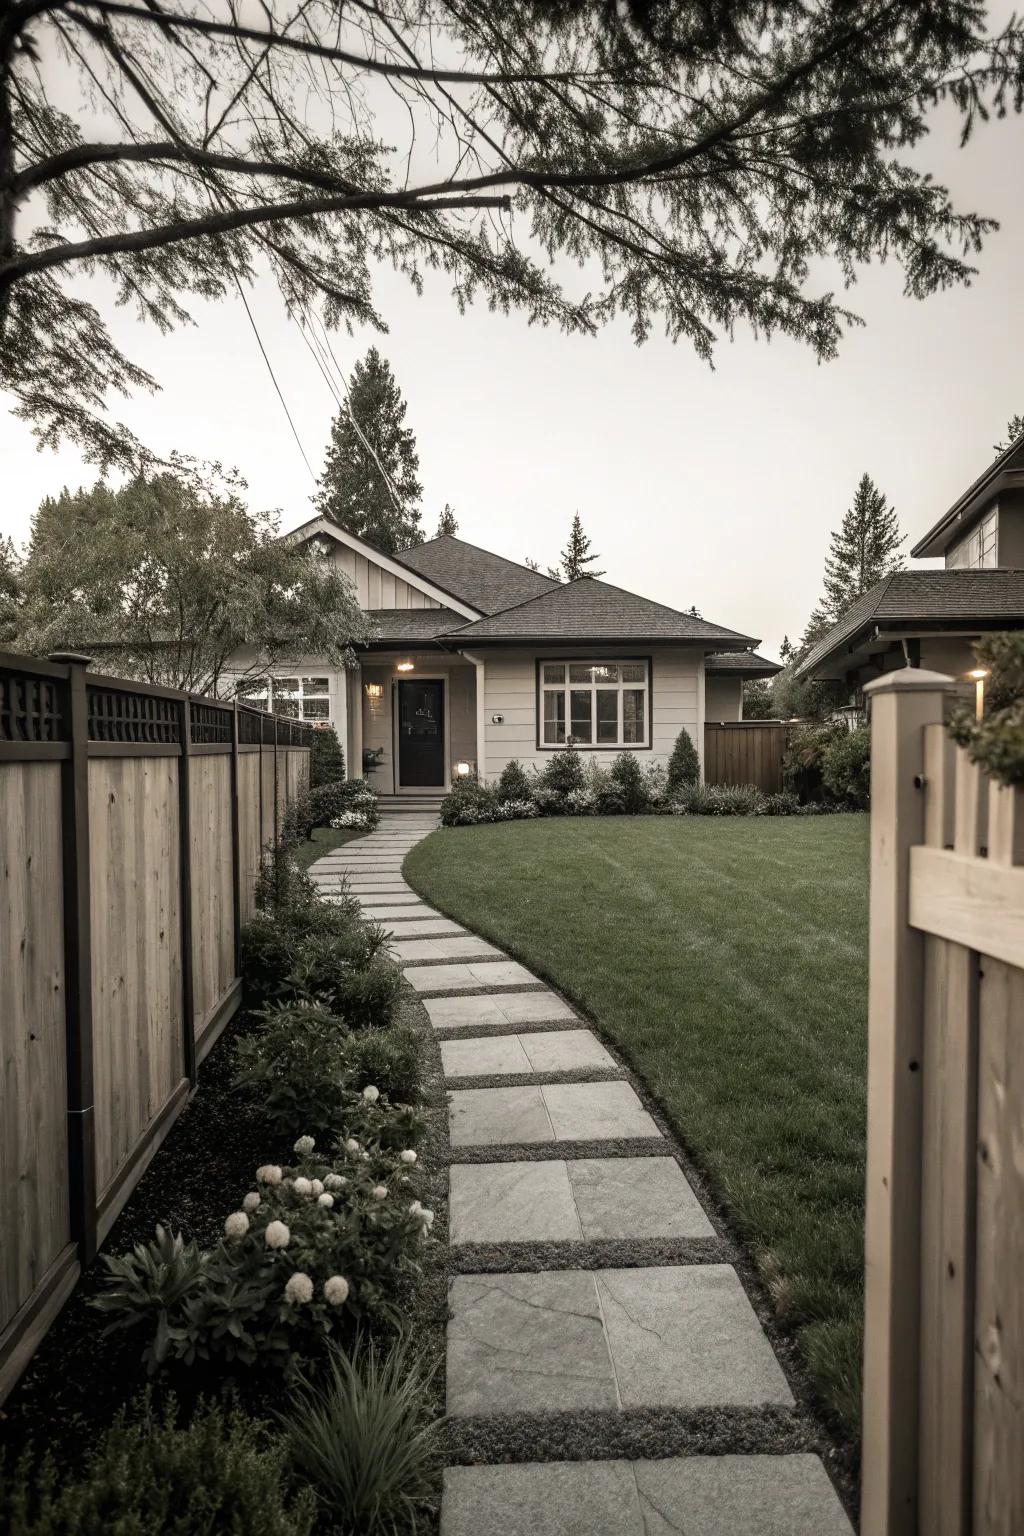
(510, 690)
(375, 587)
(723, 699)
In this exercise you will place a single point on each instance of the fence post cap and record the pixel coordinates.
(71, 658)
(911, 680)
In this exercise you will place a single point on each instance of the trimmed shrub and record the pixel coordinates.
(348, 972)
(782, 804)
(628, 778)
(467, 804)
(684, 764)
(804, 759)
(361, 1438)
(719, 800)
(326, 758)
(297, 1061)
(514, 783)
(390, 1058)
(563, 770)
(145, 1476)
(319, 1245)
(846, 768)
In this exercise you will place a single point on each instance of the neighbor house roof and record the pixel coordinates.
(1005, 473)
(398, 625)
(592, 610)
(740, 664)
(908, 601)
(486, 581)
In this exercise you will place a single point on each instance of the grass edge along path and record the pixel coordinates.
(727, 961)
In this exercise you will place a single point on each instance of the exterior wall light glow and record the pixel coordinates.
(462, 770)
(978, 676)
(406, 666)
(375, 690)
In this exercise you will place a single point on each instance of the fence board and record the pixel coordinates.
(249, 842)
(34, 1217)
(213, 931)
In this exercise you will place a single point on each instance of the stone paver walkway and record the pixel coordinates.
(553, 1147)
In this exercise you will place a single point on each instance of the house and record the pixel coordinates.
(475, 660)
(931, 617)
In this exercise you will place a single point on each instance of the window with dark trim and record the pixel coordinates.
(595, 703)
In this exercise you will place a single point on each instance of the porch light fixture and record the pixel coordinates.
(462, 770)
(406, 666)
(375, 690)
(978, 676)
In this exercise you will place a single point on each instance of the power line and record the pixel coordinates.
(273, 376)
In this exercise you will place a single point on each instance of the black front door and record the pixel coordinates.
(420, 734)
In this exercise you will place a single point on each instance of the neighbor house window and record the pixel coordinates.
(596, 703)
(299, 698)
(977, 551)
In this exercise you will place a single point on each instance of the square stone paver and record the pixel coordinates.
(431, 927)
(635, 1197)
(686, 1336)
(468, 947)
(559, 1498)
(491, 1056)
(507, 1008)
(480, 1117)
(739, 1496)
(521, 1343)
(596, 1111)
(465, 978)
(512, 1203)
(566, 1050)
(692, 1495)
(382, 910)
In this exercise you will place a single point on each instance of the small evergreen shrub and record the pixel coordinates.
(846, 768)
(326, 758)
(360, 1437)
(563, 770)
(348, 972)
(628, 778)
(784, 803)
(514, 783)
(318, 1246)
(146, 1476)
(388, 1057)
(684, 764)
(467, 804)
(297, 1061)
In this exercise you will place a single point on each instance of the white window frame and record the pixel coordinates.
(618, 688)
(265, 692)
(977, 550)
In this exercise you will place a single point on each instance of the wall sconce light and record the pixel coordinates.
(462, 770)
(375, 690)
(406, 666)
(978, 676)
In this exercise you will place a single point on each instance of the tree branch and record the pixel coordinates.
(84, 156)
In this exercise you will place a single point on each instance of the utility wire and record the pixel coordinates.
(273, 376)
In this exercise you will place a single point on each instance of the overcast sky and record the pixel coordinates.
(717, 488)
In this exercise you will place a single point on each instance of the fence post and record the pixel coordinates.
(78, 964)
(277, 834)
(188, 1003)
(902, 704)
(236, 839)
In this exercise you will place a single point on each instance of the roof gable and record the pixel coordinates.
(1004, 472)
(395, 565)
(589, 609)
(485, 580)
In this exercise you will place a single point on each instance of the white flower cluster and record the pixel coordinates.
(237, 1224)
(356, 821)
(299, 1289)
(270, 1173)
(277, 1235)
(304, 1146)
(426, 1217)
(336, 1290)
(371, 1094)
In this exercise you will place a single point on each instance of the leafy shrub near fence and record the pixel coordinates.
(570, 786)
(148, 1476)
(997, 741)
(846, 768)
(341, 803)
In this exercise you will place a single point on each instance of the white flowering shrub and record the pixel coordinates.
(321, 1250)
(515, 810)
(580, 802)
(352, 820)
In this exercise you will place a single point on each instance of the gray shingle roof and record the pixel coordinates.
(589, 609)
(741, 664)
(400, 624)
(954, 598)
(484, 580)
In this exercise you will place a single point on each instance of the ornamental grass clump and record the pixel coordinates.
(362, 1438)
(148, 1476)
(315, 1249)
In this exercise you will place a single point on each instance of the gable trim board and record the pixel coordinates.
(323, 527)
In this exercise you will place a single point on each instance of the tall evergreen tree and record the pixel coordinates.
(447, 527)
(786, 651)
(1014, 429)
(865, 547)
(575, 560)
(370, 481)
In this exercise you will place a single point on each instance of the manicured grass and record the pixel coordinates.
(727, 959)
(322, 841)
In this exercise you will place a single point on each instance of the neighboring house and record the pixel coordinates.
(725, 672)
(929, 617)
(476, 660)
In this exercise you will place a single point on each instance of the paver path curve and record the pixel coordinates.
(594, 1314)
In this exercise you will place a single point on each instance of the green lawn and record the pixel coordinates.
(322, 841)
(727, 959)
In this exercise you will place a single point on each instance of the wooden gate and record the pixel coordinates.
(943, 1451)
(745, 752)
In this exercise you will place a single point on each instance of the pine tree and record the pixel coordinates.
(1014, 429)
(864, 548)
(447, 527)
(786, 651)
(369, 484)
(576, 557)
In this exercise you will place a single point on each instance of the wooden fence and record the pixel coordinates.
(745, 752)
(132, 824)
(943, 1450)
